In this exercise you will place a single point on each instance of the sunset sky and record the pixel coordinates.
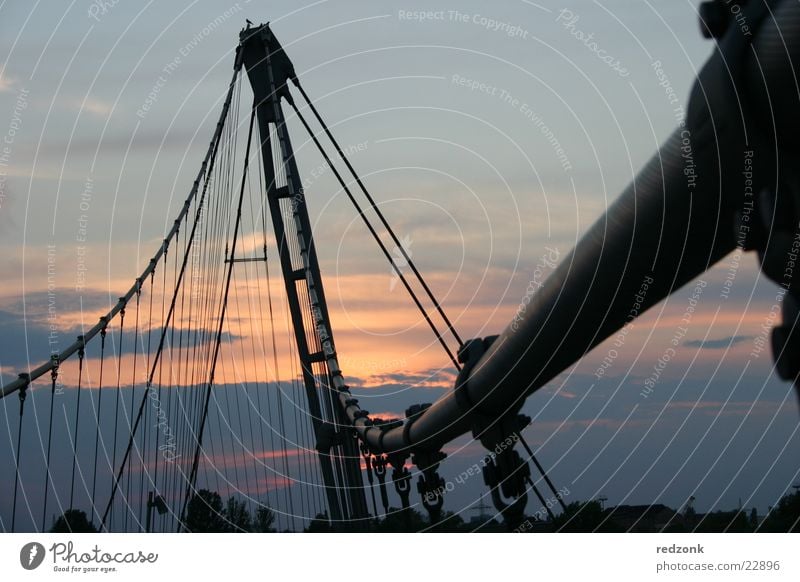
(492, 136)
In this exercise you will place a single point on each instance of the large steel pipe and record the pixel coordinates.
(676, 219)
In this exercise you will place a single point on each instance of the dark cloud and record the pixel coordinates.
(66, 300)
(432, 378)
(17, 336)
(27, 342)
(717, 344)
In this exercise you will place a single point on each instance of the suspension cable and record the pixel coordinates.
(223, 309)
(377, 210)
(382, 246)
(53, 379)
(205, 172)
(541, 498)
(81, 353)
(23, 392)
(133, 390)
(552, 487)
(97, 416)
(116, 402)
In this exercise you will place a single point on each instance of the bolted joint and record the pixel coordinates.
(327, 438)
(360, 414)
(23, 390)
(379, 464)
(401, 478)
(469, 354)
(500, 434)
(415, 411)
(507, 478)
(54, 363)
(431, 486)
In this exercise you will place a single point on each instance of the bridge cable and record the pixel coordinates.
(260, 418)
(81, 354)
(382, 246)
(250, 318)
(541, 498)
(205, 172)
(23, 392)
(133, 391)
(223, 308)
(174, 384)
(97, 414)
(53, 379)
(555, 492)
(377, 210)
(143, 456)
(116, 402)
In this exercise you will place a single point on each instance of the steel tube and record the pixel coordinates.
(674, 221)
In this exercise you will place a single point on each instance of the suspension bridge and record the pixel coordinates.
(160, 399)
(175, 403)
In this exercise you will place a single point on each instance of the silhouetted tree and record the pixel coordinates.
(264, 520)
(320, 524)
(74, 521)
(204, 513)
(238, 518)
(785, 517)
